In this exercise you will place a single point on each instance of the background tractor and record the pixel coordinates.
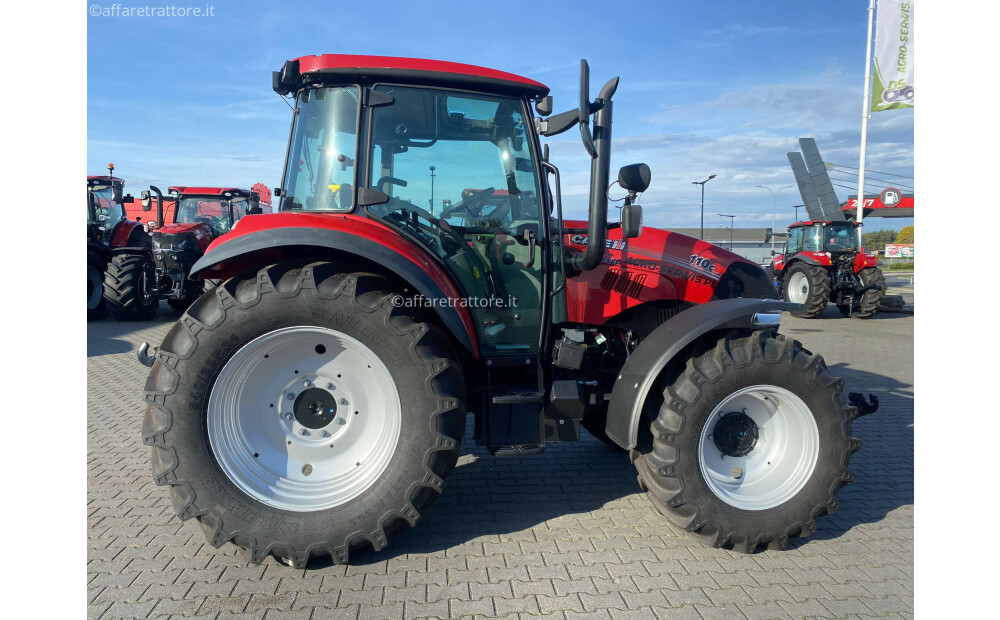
(824, 262)
(107, 228)
(315, 401)
(138, 277)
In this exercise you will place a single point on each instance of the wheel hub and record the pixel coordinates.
(735, 434)
(315, 408)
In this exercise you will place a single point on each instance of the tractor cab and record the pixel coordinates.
(104, 207)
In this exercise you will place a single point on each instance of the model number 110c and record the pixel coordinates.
(704, 263)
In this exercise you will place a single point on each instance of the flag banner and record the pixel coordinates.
(892, 83)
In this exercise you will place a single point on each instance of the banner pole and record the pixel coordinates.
(865, 114)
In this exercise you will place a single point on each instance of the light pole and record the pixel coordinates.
(702, 183)
(796, 207)
(731, 219)
(773, 195)
(432, 190)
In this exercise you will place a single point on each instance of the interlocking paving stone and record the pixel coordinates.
(565, 534)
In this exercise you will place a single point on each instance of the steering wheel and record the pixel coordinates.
(470, 204)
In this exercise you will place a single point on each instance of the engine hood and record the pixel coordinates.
(657, 266)
(202, 232)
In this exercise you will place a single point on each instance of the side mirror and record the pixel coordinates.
(544, 106)
(277, 192)
(634, 178)
(773, 253)
(144, 197)
(631, 221)
(116, 192)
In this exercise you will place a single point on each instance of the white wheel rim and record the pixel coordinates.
(798, 288)
(781, 461)
(95, 288)
(259, 403)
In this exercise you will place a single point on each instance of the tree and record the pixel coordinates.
(905, 235)
(875, 240)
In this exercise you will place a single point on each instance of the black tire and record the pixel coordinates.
(668, 464)
(95, 286)
(871, 301)
(123, 283)
(418, 355)
(817, 279)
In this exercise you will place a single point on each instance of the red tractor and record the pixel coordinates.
(107, 229)
(138, 277)
(315, 401)
(823, 262)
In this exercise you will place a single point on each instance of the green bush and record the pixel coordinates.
(887, 266)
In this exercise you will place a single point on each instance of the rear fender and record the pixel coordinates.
(650, 358)
(819, 259)
(231, 255)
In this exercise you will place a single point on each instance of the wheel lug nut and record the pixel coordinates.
(291, 396)
(329, 386)
(736, 472)
(341, 421)
(325, 434)
(288, 416)
(303, 432)
(306, 384)
(343, 401)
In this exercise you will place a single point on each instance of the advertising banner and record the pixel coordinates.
(892, 83)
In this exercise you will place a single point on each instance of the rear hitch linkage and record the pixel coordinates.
(144, 357)
(857, 399)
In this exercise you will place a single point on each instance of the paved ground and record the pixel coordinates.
(562, 535)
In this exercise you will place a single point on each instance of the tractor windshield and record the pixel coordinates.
(320, 167)
(461, 177)
(103, 210)
(840, 238)
(217, 212)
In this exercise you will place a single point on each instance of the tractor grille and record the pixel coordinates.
(617, 282)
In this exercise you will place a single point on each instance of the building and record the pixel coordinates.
(753, 244)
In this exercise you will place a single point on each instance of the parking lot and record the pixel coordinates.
(563, 535)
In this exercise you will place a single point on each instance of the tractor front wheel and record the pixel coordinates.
(124, 283)
(750, 445)
(808, 285)
(300, 412)
(95, 286)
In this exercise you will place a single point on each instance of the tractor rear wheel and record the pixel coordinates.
(871, 301)
(95, 286)
(808, 285)
(750, 445)
(300, 412)
(124, 282)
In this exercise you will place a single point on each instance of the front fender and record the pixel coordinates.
(232, 254)
(649, 359)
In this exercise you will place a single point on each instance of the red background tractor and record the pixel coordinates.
(138, 277)
(824, 262)
(107, 228)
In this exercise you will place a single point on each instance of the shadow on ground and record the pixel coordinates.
(108, 346)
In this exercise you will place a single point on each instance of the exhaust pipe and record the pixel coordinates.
(600, 172)
(159, 206)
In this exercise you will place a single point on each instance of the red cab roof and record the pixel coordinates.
(814, 222)
(207, 191)
(357, 67)
(98, 177)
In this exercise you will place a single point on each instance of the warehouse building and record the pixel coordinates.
(753, 244)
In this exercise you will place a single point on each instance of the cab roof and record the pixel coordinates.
(207, 191)
(823, 222)
(350, 68)
(105, 178)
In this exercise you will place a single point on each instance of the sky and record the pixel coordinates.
(718, 87)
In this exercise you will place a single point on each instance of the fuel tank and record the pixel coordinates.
(667, 270)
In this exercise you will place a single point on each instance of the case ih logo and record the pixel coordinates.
(611, 244)
(891, 197)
